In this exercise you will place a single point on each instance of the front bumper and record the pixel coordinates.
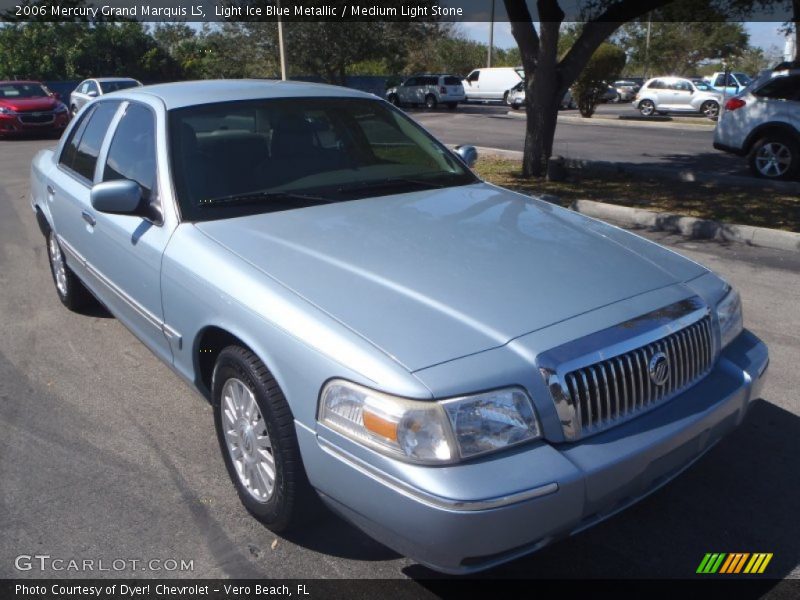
(16, 124)
(448, 519)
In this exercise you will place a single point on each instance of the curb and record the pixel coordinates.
(667, 173)
(690, 227)
(621, 121)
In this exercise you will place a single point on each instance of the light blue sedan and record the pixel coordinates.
(464, 372)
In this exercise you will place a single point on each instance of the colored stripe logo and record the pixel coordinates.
(734, 562)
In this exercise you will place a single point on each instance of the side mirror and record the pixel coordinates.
(467, 154)
(120, 197)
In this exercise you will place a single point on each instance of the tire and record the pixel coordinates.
(710, 109)
(775, 156)
(505, 97)
(430, 102)
(452, 105)
(647, 108)
(70, 290)
(268, 430)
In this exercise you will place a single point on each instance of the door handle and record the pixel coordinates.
(87, 216)
(50, 190)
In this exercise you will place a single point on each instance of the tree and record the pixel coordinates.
(678, 48)
(605, 65)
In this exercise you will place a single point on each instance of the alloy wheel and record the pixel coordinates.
(773, 159)
(247, 440)
(57, 262)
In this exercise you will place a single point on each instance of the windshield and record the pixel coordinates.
(115, 86)
(12, 91)
(743, 78)
(251, 156)
(703, 86)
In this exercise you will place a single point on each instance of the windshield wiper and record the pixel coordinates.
(387, 183)
(257, 197)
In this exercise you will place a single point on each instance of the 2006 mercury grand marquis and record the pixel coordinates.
(464, 372)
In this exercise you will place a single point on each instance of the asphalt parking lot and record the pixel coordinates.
(684, 143)
(105, 453)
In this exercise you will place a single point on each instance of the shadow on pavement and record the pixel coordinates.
(741, 497)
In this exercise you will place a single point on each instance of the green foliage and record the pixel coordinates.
(605, 65)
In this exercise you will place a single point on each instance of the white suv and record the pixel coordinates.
(763, 123)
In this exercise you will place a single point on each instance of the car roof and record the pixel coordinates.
(192, 93)
(110, 79)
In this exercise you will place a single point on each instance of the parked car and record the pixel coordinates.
(728, 83)
(29, 107)
(428, 90)
(763, 124)
(306, 257)
(675, 94)
(492, 83)
(516, 97)
(626, 88)
(92, 88)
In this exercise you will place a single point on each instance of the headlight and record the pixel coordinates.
(729, 312)
(6, 111)
(428, 431)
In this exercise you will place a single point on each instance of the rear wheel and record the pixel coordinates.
(69, 288)
(256, 434)
(775, 156)
(647, 108)
(430, 102)
(710, 109)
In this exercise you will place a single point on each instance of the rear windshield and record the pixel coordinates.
(452, 81)
(254, 156)
(115, 86)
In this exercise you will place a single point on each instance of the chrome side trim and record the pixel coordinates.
(427, 498)
(169, 332)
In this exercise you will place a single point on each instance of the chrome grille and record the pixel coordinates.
(614, 389)
(38, 118)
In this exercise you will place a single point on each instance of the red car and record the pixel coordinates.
(29, 107)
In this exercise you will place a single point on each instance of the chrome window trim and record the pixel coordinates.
(427, 498)
(619, 341)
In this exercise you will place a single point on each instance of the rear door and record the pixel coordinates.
(70, 185)
(126, 250)
(779, 100)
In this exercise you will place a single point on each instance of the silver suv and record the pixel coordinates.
(763, 124)
(430, 90)
(676, 94)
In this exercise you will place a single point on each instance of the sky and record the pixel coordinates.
(765, 35)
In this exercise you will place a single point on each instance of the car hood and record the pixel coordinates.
(432, 276)
(29, 104)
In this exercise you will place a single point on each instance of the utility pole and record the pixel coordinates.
(280, 41)
(491, 38)
(647, 46)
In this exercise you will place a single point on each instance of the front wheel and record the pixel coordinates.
(647, 108)
(430, 102)
(710, 109)
(505, 98)
(69, 288)
(775, 156)
(256, 434)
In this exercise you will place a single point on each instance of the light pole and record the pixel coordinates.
(280, 41)
(491, 38)
(647, 46)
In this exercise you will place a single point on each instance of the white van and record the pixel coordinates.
(493, 83)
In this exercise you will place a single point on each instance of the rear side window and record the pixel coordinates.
(452, 81)
(85, 158)
(781, 88)
(656, 84)
(132, 154)
(430, 81)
